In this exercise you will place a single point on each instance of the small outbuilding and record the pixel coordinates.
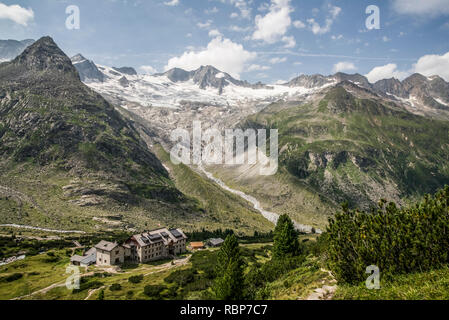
(196, 245)
(215, 242)
(89, 258)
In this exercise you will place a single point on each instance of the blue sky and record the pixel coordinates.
(266, 40)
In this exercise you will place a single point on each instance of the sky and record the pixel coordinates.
(254, 40)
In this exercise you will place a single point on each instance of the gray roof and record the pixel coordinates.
(216, 241)
(160, 235)
(76, 258)
(106, 245)
(91, 251)
(91, 259)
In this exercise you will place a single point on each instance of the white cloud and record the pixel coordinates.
(204, 25)
(214, 33)
(148, 69)
(385, 39)
(299, 24)
(239, 29)
(422, 7)
(172, 3)
(278, 60)
(242, 6)
(211, 11)
(428, 65)
(386, 72)
(339, 37)
(290, 42)
(431, 65)
(256, 67)
(344, 66)
(16, 13)
(221, 53)
(316, 28)
(275, 23)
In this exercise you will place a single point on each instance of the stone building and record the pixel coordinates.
(155, 245)
(109, 253)
(144, 247)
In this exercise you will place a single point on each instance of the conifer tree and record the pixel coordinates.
(286, 242)
(229, 270)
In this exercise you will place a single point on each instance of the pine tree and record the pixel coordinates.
(229, 270)
(286, 242)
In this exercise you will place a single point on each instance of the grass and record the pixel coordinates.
(432, 285)
(37, 273)
(298, 284)
(207, 205)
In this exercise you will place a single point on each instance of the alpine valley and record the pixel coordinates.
(86, 146)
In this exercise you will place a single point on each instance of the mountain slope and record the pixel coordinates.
(9, 49)
(348, 144)
(428, 96)
(87, 70)
(70, 160)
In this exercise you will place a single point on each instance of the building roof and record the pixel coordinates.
(77, 258)
(89, 256)
(106, 245)
(91, 251)
(159, 235)
(89, 259)
(196, 244)
(216, 241)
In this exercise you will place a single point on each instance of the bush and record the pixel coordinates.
(259, 276)
(396, 240)
(181, 277)
(115, 287)
(12, 277)
(136, 279)
(86, 285)
(153, 291)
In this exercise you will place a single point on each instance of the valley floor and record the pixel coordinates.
(43, 277)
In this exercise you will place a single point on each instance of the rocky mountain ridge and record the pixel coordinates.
(9, 49)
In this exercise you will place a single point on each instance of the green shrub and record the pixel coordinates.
(181, 277)
(153, 291)
(259, 276)
(136, 279)
(12, 277)
(86, 285)
(115, 287)
(395, 240)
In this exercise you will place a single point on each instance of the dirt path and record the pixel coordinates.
(155, 269)
(92, 291)
(323, 293)
(169, 265)
(18, 226)
(54, 285)
(326, 292)
(44, 290)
